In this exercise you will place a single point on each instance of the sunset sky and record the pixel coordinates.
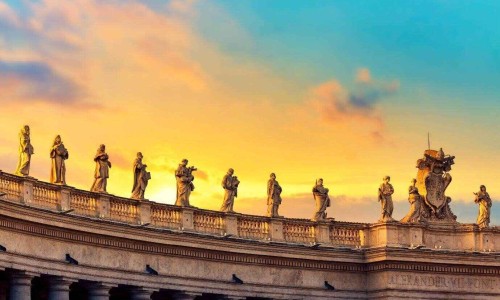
(342, 90)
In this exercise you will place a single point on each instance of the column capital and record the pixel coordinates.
(99, 290)
(141, 293)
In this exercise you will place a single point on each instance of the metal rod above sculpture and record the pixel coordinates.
(230, 185)
(58, 154)
(184, 177)
(101, 173)
(141, 178)
(25, 152)
(322, 199)
(273, 196)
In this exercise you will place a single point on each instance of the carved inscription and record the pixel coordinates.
(443, 282)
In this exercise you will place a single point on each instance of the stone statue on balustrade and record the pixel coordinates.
(185, 186)
(416, 213)
(322, 199)
(58, 154)
(141, 178)
(101, 173)
(385, 192)
(230, 185)
(25, 152)
(484, 201)
(273, 196)
(433, 178)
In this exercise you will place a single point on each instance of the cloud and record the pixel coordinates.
(363, 75)
(36, 81)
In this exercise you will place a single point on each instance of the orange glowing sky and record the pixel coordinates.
(138, 77)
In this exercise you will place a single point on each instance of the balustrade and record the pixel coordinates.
(298, 231)
(208, 221)
(253, 227)
(11, 186)
(83, 203)
(123, 210)
(167, 216)
(45, 195)
(348, 236)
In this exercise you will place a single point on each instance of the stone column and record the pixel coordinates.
(98, 291)
(185, 296)
(144, 212)
(276, 229)
(20, 286)
(231, 224)
(27, 191)
(141, 294)
(187, 218)
(3, 290)
(59, 288)
(64, 199)
(103, 206)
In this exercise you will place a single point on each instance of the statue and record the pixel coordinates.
(141, 178)
(25, 152)
(273, 196)
(101, 174)
(484, 201)
(320, 194)
(433, 178)
(385, 192)
(230, 184)
(185, 186)
(416, 210)
(58, 154)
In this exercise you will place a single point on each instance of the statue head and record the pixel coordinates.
(102, 147)
(413, 181)
(482, 188)
(273, 176)
(387, 179)
(57, 140)
(25, 129)
(319, 181)
(230, 171)
(184, 162)
(139, 155)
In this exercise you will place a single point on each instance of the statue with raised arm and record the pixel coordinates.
(230, 185)
(385, 192)
(141, 178)
(101, 173)
(322, 199)
(185, 186)
(484, 201)
(273, 196)
(416, 209)
(58, 154)
(25, 152)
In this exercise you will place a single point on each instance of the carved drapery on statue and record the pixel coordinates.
(433, 179)
(25, 152)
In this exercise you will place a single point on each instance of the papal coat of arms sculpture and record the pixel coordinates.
(433, 178)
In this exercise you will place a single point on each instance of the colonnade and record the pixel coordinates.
(19, 285)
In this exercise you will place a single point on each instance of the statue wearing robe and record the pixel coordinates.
(101, 173)
(25, 152)
(484, 201)
(141, 178)
(185, 186)
(322, 199)
(415, 213)
(230, 185)
(385, 192)
(273, 196)
(58, 154)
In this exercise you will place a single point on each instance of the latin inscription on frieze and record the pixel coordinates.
(444, 282)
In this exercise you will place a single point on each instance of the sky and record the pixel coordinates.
(346, 91)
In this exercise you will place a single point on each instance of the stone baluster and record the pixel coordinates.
(144, 212)
(185, 296)
(98, 291)
(141, 294)
(20, 286)
(59, 288)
